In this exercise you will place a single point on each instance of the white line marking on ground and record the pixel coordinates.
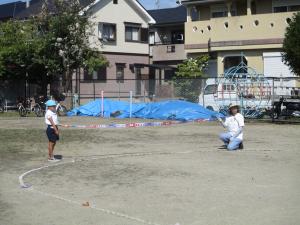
(110, 212)
(29, 187)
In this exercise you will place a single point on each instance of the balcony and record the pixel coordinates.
(237, 32)
(168, 52)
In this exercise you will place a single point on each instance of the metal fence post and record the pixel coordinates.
(94, 89)
(273, 100)
(144, 82)
(119, 85)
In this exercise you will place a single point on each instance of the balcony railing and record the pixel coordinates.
(237, 31)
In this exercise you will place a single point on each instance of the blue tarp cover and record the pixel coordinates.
(164, 110)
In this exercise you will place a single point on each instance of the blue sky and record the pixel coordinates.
(148, 4)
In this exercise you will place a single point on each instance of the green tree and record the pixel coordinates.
(188, 82)
(50, 44)
(291, 45)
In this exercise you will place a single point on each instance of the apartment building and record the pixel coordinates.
(234, 30)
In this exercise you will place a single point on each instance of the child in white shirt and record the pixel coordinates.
(51, 121)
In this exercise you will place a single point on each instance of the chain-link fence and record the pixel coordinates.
(263, 98)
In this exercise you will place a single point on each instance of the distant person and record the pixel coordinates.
(51, 121)
(278, 106)
(233, 139)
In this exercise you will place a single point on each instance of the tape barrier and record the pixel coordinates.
(132, 125)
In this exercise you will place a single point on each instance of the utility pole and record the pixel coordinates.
(157, 3)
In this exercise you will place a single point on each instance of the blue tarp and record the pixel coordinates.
(165, 110)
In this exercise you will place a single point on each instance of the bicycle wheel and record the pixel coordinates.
(1, 108)
(62, 110)
(22, 111)
(38, 110)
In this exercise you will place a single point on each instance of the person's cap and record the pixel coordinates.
(50, 103)
(232, 105)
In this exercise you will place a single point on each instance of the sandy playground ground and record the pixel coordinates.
(155, 175)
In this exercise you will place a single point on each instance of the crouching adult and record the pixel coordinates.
(233, 138)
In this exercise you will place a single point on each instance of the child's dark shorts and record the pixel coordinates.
(51, 134)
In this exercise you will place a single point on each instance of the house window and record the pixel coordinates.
(151, 38)
(132, 32)
(195, 15)
(280, 9)
(138, 81)
(221, 10)
(107, 32)
(170, 48)
(290, 8)
(115, 2)
(120, 67)
(135, 33)
(177, 37)
(99, 75)
(233, 61)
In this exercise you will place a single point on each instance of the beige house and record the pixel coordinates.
(166, 40)
(228, 29)
(120, 32)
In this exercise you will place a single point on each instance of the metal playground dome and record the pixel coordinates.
(244, 86)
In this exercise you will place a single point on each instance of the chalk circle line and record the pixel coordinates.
(106, 211)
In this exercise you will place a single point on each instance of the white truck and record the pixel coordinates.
(255, 98)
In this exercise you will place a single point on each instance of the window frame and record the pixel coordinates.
(129, 25)
(91, 76)
(120, 79)
(101, 29)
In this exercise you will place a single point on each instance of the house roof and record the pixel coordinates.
(36, 7)
(11, 9)
(186, 2)
(134, 3)
(169, 15)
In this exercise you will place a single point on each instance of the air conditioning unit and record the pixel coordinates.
(180, 37)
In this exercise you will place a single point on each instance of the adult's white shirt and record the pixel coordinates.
(234, 124)
(49, 114)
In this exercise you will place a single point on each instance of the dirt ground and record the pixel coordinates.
(159, 175)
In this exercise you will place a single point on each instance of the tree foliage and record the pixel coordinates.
(291, 45)
(188, 82)
(53, 43)
(193, 67)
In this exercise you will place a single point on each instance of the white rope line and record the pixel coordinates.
(21, 177)
(106, 211)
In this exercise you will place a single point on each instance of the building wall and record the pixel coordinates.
(111, 87)
(124, 11)
(241, 32)
(254, 59)
(160, 52)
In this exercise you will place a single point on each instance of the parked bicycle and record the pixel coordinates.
(2, 106)
(24, 107)
(40, 106)
(61, 110)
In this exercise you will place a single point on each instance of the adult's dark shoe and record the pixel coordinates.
(241, 146)
(223, 147)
